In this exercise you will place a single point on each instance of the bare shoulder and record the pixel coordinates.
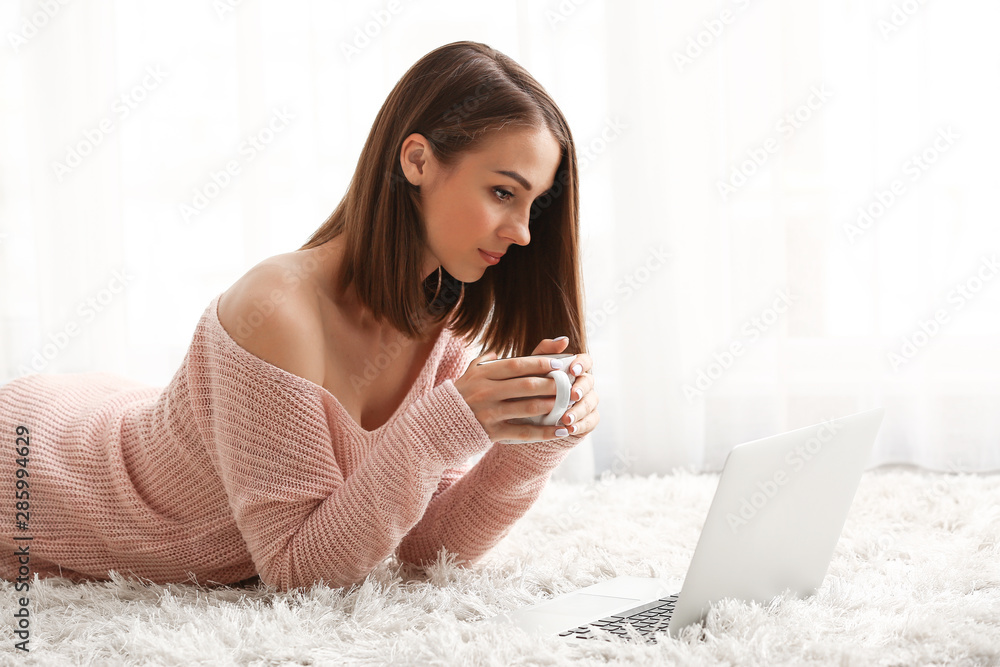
(276, 320)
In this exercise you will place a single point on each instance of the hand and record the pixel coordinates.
(583, 417)
(488, 389)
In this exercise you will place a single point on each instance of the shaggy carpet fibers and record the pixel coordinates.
(915, 580)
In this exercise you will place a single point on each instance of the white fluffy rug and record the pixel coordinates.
(915, 580)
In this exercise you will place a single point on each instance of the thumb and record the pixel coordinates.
(477, 361)
(552, 345)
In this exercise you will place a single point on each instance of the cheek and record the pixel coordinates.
(488, 215)
(446, 218)
(473, 217)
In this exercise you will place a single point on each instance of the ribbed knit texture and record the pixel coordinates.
(238, 467)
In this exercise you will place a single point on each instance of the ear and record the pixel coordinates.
(413, 158)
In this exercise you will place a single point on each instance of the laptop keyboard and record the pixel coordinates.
(645, 619)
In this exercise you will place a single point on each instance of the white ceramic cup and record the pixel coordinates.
(564, 383)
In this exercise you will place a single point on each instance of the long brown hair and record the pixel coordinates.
(455, 96)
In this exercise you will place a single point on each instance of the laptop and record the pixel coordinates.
(772, 527)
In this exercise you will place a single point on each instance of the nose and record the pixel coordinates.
(517, 230)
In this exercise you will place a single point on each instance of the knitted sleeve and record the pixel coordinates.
(270, 442)
(469, 516)
(471, 512)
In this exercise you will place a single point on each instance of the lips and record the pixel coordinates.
(492, 260)
(494, 255)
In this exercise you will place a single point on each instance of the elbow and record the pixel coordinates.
(412, 552)
(426, 557)
(275, 575)
(285, 575)
(286, 584)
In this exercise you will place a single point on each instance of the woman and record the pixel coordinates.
(325, 414)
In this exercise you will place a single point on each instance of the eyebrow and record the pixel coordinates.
(516, 176)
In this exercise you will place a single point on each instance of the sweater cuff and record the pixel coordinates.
(543, 457)
(443, 426)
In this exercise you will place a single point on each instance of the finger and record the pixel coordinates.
(489, 356)
(512, 389)
(540, 365)
(516, 367)
(584, 423)
(574, 414)
(581, 409)
(582, 364)
(537, 406)
(581, 386)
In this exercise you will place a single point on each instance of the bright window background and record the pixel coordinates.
(656, 137)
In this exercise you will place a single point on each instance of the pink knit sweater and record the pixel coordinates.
(238, 467)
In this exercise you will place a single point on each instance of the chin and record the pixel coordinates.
(468, 278)
(464, 273)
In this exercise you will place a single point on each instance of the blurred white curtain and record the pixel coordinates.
(151, 153)
(807, 112)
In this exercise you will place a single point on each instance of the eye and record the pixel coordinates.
(499, 191)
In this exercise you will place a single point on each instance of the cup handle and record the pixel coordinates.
(563, 385)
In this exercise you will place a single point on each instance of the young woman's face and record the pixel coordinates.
(475, 207)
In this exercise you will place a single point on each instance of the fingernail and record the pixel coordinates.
(577, 369)
(561, 338)
(571, 418)
(562, 433)
(555, 363)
